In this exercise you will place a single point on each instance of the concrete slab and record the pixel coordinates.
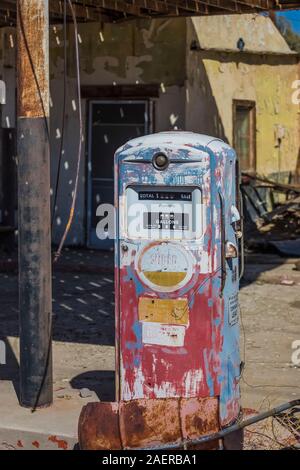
(51, 428)
(76, 366)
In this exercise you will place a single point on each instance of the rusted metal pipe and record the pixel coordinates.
(35, 293)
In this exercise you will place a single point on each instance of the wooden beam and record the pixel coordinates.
(120, 91)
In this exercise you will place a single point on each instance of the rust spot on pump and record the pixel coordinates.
(99, 427)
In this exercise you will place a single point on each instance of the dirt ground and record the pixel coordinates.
(83, 307)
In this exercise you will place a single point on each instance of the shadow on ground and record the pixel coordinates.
(100, 382)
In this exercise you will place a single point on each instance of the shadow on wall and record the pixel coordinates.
(249, 58)
(202, 110)
(211, 122)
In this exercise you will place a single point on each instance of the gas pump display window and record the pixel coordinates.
(165, 196)
(164, 213)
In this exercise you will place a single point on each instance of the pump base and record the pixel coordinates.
(146, 423)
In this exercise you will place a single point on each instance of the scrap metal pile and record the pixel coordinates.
(278, 432)
(271, 215)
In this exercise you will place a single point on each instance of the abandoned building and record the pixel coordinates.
(229, 76)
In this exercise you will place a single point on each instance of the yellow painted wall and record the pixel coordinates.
(270, 86)
(215, 79)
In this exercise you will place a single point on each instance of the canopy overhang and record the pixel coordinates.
(117, 10)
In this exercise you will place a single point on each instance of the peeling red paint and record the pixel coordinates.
(36, 444)
(61, 444)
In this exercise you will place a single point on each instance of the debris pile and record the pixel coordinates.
(280, 432)
(272, 215)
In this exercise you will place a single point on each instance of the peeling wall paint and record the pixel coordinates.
(141, 52)
(197, 88)
(265, 79)
(149, 51)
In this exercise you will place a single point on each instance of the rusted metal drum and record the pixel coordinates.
(147, 423)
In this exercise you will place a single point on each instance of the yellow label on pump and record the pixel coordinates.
(165, 279)
(164, 311)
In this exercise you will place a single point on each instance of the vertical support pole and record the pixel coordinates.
(35, 288)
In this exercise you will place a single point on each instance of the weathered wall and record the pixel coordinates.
(223, 32)
(141, 52)
(215, 79)
(196, 87)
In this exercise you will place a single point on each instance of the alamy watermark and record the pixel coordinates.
(2, 92)
(295, 358)
(151, 221)
(296, 93)
(2, 353)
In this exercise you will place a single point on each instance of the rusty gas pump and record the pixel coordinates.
(177, 283)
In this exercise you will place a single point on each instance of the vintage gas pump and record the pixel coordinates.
(177, 283)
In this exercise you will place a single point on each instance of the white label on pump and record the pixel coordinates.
(163, 335)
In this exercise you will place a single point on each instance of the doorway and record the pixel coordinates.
(110, 125)
(244, 133)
